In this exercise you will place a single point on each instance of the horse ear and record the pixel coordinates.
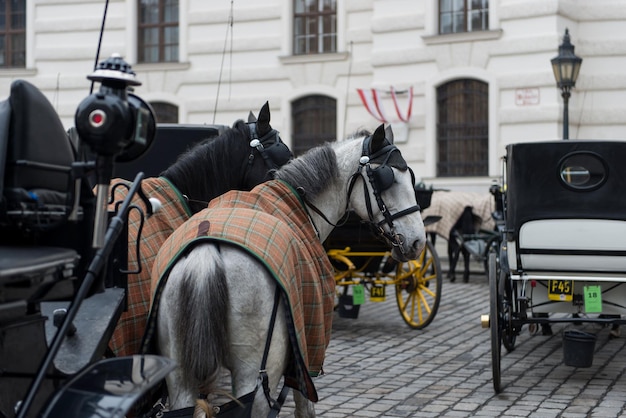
(251, 117)
(378, 139)
(389, 133)
(263, 124)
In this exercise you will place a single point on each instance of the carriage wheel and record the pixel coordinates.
(493, 244)
(494, 320)
(507, 296)
(418, 288)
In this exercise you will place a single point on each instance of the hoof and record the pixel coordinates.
(546, 330)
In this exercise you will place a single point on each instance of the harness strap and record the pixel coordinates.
(275, 405)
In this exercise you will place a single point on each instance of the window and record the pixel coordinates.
(463, 129)
(165, 112)
(12, 33)
(314, 26)
(463, 15)
(158, 31)
(313, 122)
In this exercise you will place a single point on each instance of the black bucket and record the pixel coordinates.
(578, 348)
(347, 308)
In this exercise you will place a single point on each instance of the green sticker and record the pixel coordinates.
(593, 299)
(358, 294)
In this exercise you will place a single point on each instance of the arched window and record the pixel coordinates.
(313, 122)
(463, 129)
(165, 112)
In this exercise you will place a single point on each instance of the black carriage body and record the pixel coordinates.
(170, 141)
(565, 206)
(536, 188)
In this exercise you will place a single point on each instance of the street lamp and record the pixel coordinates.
(566, 66)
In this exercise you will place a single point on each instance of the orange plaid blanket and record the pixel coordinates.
(271, 223)
(127, 336)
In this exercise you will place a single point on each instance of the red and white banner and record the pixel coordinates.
(373, 100)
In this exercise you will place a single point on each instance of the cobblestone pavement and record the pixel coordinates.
(376, 366)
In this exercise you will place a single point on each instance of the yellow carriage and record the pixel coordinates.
(363, 264)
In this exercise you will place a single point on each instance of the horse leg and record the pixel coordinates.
(453, 256)
(466, 262)
(304, 407)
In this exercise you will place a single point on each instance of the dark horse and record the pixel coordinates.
(238, 159)
(465, 225)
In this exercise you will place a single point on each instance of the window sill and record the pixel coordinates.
(309, 58)
(482, 35)
(161, 66)
(17, 72)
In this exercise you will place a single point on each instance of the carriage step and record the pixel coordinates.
(109, 387)
(94, 325)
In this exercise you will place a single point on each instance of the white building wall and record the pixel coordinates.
(381, 43)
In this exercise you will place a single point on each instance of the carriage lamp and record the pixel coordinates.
(566, 66)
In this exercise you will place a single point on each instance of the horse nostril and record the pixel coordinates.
(418, 245)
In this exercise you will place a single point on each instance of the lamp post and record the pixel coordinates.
(566, 66)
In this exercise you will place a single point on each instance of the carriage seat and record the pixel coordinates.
(565, 206)
(36, 190)
(36, 156)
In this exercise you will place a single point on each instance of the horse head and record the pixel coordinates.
(387, 199)
(265, 142)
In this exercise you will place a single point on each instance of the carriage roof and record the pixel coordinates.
(566, 179)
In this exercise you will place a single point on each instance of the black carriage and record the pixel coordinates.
(62, 255)
(363, 262)
(563, 252)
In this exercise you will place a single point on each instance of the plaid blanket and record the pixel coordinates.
(127, 336)
(271, 223)
(450, 205)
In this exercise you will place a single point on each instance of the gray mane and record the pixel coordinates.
(312, 171)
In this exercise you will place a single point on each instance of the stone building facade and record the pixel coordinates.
(232, 56)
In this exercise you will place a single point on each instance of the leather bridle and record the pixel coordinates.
(380, 178)
(271, 148)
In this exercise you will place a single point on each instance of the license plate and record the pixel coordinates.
(377, 293)
(561, 290)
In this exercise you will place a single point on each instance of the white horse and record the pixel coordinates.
(215, 307)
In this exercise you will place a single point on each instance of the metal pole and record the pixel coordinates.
(566, 95)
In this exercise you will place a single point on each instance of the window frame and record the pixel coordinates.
(467, 12)
(12, 35)
(462, 134)
(165, 112)
(321, 36)
(321, 126)
(164, 48)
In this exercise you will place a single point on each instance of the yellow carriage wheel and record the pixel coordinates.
(418, 288)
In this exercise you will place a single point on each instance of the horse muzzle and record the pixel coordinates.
(403, 251)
